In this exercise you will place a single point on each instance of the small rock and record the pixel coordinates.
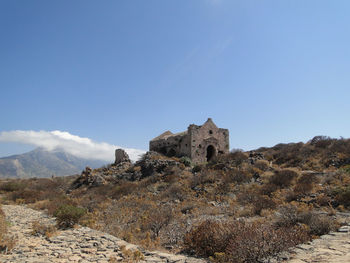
(344, 229)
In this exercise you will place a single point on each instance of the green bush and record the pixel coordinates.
(346, 169)
(68, 215)
(197, 168)
(186, 161)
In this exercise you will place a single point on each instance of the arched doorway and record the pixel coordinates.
(210, 152)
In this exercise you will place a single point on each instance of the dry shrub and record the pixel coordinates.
(152, 179)
(290, 216)
(67, 215)
(28, 195)
(240, 241)
(268, 189)
(11, 186)
(131, 255)
(253, 198)
(342, 196)
(262, 165)
(237, 157)
(157, 219)
(318, 224)
(205, 177)
(172, 170)
(323, 200)
(291, 195)
(208, 177)
(236, 176)
(44, 184)
(171, 178)
(6, 242)
(287, 216)
(40, 205)
(125, 188)
(263, 202)
(246, 211)
(208, 238)
(318, 154)
(255, 242)
(39, 229)
(283, 178)
(51, 205)
(305, 184)
(33, 190)
(175, 192)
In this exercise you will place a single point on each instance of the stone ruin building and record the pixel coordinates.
(200, 143)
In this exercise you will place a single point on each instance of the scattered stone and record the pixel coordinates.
(89, 178)
(255, 156)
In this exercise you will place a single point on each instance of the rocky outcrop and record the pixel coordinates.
(88, 178)
(123, 169)
(255, 156)
(80, 244)
(154, 162)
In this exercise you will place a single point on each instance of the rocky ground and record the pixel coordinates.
(331, 248)
(80, 244)
(83, 244)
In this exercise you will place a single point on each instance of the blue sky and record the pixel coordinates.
(122, 72)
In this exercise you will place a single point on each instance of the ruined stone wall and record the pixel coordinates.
(172, 146)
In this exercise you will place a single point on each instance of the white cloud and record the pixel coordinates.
(73, 144)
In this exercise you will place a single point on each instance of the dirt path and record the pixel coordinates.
(331, 248)
(74, 245)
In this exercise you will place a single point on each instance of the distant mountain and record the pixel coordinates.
(43, 163)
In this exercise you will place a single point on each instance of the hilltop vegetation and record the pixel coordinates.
(320, 153)
(241, 207)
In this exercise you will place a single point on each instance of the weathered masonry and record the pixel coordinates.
(200, 143)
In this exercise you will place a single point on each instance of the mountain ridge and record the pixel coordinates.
(43, 163)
